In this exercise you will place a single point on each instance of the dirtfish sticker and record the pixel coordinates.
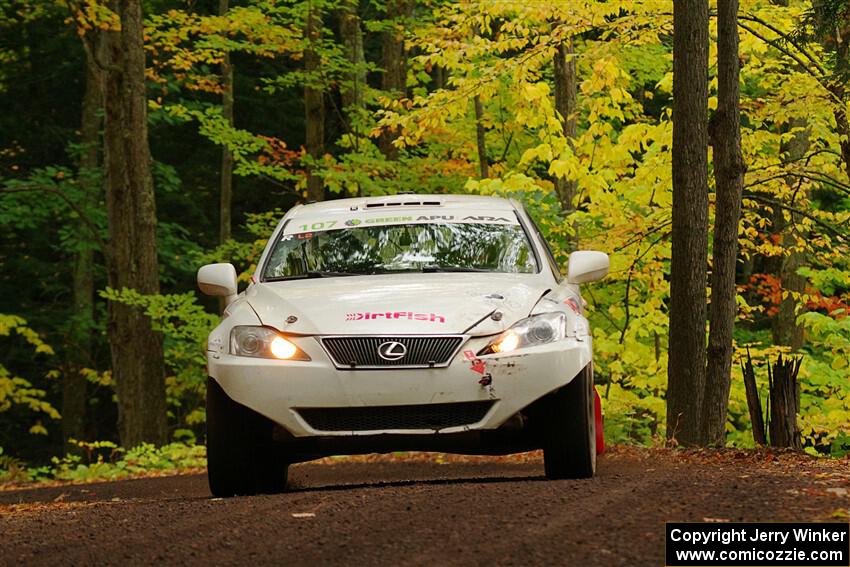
(390, 315)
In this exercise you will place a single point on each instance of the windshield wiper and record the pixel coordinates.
(434, 268)
(310, 275)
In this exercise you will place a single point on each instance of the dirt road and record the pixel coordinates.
(483, 512)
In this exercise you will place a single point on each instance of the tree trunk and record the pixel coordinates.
(80, 343)
(79, 353)
(352, 42)
(834, 37)
(785, 329)
(784, 325)
(753, 401)
(394, 61)
(687, 347)
(843, 129)
(840, 47)
(483, 162)
(137, 357)
(729, 180)
(784, 403)
(566, 94)
(314, 106)
(440, 77)
(226, 195)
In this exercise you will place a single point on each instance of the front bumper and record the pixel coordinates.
(278, 389)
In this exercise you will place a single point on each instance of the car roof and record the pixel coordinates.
(400, 202)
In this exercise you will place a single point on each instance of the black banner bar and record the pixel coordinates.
(758, 544)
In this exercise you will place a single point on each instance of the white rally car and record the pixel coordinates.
(432, 323)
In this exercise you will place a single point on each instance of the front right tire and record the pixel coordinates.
(241, 457)
(569, 430)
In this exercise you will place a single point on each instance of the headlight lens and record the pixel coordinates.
(263, 342)
(282, 348)
(531, 331)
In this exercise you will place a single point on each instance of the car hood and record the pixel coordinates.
(448, 303)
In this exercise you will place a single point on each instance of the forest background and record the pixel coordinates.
(254, 106)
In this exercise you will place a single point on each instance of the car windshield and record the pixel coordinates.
(449, 247)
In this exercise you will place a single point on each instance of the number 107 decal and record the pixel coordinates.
(318, 225)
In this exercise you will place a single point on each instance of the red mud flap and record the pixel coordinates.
(600, 433)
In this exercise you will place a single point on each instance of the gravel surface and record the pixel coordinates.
(420, 510)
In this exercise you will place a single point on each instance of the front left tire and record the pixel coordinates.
(569, 429)
(241, 457)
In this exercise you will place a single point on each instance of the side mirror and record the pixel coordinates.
(218, 280)
(587, 266)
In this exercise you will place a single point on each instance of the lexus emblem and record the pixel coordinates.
(392, 350)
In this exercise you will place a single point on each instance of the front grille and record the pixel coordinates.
(420, 352)
(378, 418)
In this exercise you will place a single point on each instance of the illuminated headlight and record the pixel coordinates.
(531, 331)
(263, 342)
